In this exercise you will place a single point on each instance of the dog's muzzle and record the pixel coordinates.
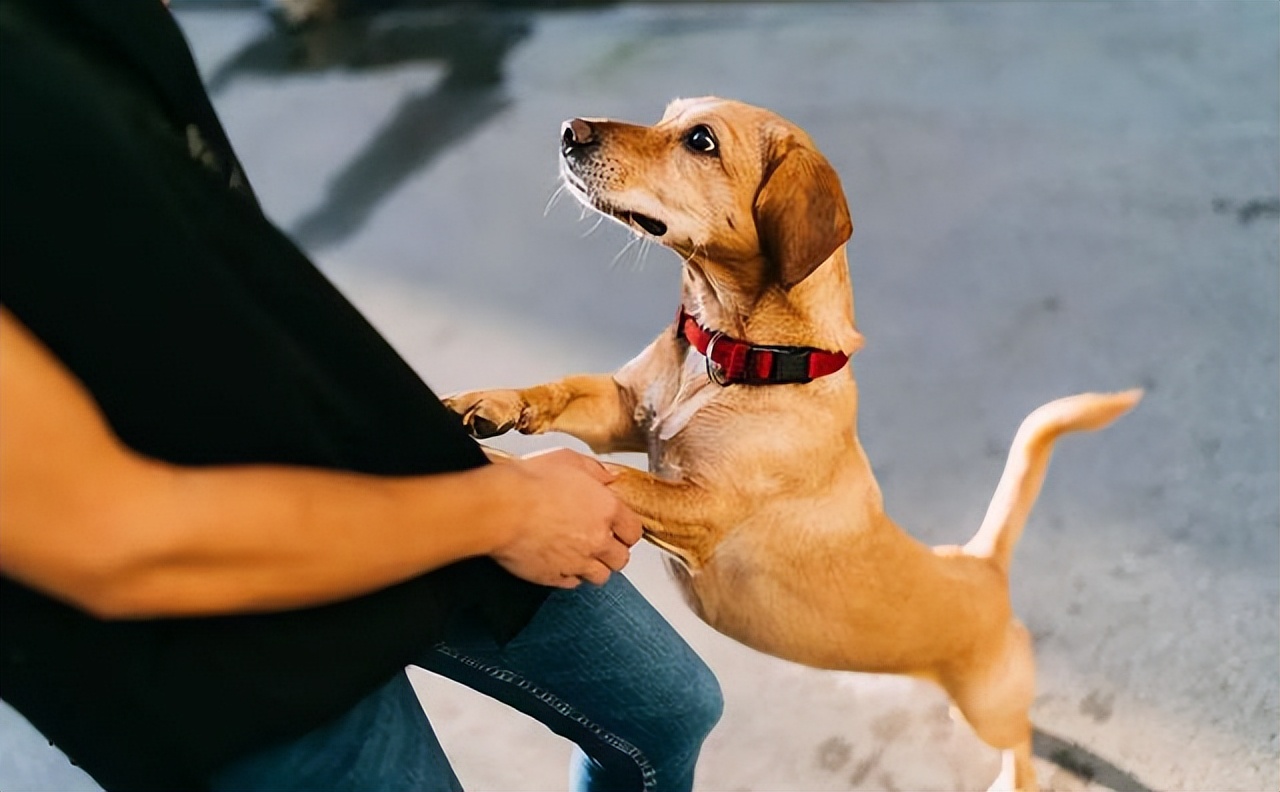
(578, 140)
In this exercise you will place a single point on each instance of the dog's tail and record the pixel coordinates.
(1029, 458)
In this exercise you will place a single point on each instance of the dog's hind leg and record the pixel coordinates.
(994, 692)
(1016, 770)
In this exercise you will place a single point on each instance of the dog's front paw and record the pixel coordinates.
(488, 413)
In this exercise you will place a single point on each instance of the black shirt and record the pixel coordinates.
(132, 246)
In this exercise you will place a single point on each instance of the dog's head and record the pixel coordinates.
(732, 184)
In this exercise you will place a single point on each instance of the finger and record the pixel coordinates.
(582, 462)
(496, 454)
(595, 573)
(614, 468)
(627, 526)
(567, 582)
(592, 468)
(546, 452)
(615, 556)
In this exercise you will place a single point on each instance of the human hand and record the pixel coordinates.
(570, 527)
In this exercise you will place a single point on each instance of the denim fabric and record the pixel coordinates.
(597, 665)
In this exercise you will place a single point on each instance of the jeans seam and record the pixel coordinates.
(647, 771)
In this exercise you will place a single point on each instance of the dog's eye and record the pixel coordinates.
(701, 140)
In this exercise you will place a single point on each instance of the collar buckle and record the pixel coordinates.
(790, 364)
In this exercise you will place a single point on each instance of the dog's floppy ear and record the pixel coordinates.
(801, 214)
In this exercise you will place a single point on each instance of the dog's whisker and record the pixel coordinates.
(638, 264)
(555, 196)
(594, 226)
(686, 259)
(697, 248)
(625, 248)
(644, 254)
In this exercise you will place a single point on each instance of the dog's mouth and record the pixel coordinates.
(578, 187)
(651, 224)
(628, 217)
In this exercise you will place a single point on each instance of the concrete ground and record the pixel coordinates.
(1049, 198)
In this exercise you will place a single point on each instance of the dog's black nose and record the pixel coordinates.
(576, 135)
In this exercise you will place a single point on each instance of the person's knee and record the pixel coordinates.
(693, 706)
(706, 701)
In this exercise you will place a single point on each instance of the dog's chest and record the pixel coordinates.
(669, 406)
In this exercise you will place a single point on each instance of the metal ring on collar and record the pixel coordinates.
(714, 371)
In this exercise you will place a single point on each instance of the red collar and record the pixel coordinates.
(730, 361)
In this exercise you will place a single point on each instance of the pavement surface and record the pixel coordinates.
(1048, 197)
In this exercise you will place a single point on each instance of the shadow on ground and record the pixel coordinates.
(470, 39)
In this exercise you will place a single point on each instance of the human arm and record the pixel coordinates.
(87, 520)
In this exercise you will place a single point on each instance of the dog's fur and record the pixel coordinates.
(764, 493)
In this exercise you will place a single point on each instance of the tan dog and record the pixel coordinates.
(758, 483)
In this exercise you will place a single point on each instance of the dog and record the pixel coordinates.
(758, 486)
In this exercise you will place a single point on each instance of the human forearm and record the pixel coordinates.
(138, 538)
(89, 521)
(217, 540)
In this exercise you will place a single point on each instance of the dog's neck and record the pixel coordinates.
(817, 312)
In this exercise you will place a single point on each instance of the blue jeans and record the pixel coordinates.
(597, 665)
